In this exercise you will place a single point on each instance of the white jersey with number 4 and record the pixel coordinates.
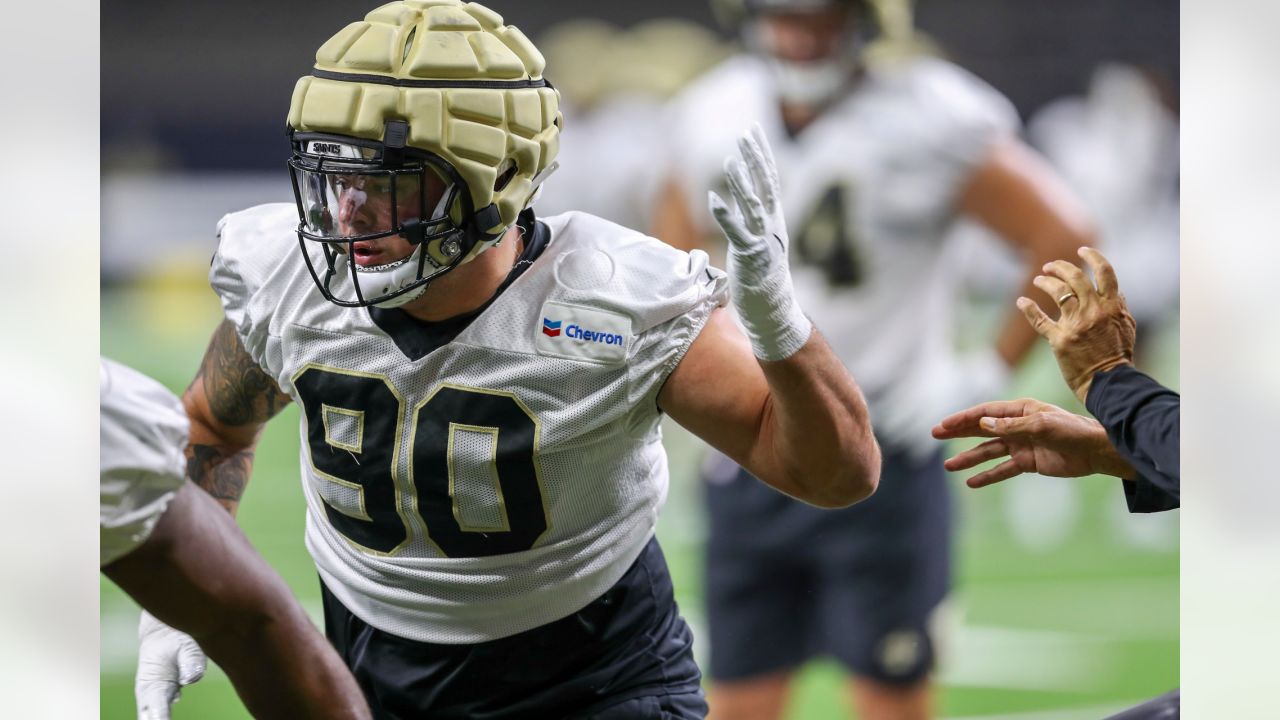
(475, 486)
(143, 435)
(869, 192)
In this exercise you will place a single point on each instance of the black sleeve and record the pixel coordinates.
(1141, 417)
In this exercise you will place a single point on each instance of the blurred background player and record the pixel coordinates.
(881, 148)
(614, 88)
(174, 550)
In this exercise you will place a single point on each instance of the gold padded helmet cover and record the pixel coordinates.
(372, 67)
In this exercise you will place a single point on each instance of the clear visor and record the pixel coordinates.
(345, 199)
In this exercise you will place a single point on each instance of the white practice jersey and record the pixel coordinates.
(868, 190)
(143, 437)
(490, 483)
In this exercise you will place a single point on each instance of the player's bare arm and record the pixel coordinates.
(198, 573)
(798, 424)
(228, 403)
(1016, 194)
(777, 401)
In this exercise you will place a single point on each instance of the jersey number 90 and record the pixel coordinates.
(469, 508)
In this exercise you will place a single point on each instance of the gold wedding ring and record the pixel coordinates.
(1065, 297)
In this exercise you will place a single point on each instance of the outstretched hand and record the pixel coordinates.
(1036, 437)
(1095, 331)
(760, 277)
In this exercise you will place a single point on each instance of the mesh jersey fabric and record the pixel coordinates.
(601, 472)
(890, 158)
(143, 435)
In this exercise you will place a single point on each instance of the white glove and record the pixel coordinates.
(167, 660)
(907, 414)
(760, 276)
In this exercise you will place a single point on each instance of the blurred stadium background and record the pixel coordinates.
(1064, 608)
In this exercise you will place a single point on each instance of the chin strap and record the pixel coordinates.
(486, 217)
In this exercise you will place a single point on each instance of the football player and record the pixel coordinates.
(173, 550)
(481, 389)
(881, 148)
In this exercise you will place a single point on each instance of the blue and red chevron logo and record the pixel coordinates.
(549, 328)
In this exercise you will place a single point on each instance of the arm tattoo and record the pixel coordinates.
(239, 392)
(221, 473)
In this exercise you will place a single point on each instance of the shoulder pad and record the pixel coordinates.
(600, 264)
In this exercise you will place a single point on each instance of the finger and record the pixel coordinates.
(1056, 289)
(969, 417)
(754, 158)
(154, 700)
(1072, 275)
(740, 187)
(766, 151)
(191, 663)
(1039, 321)
(770, 164)
(1004, 427)
(1103, 273)
(1003, 471)
(989, 450)
(728, 220)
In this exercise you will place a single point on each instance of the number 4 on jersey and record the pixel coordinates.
(828, 241)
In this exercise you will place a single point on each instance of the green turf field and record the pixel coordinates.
(1066, 608)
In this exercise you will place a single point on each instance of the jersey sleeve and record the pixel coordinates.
(254, 245)
(1142, 419)
(664, 294)
(679, 291)
(143, 439)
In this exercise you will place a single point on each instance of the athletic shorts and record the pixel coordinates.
(1164, 707)
(787, 582)
(628, 654)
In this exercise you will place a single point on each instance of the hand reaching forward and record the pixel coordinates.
(1036, 437)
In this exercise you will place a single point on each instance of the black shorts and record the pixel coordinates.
(1164, 707)
(625, 656)
(787, 582)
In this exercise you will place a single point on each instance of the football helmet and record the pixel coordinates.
(428, 122)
